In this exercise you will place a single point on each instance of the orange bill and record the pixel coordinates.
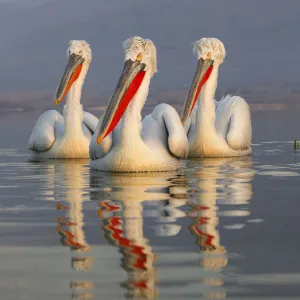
(128, 84)
(71, 74)
(202, 74)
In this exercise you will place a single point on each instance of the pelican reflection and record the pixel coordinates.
(226, 181)
(65, 183)
(122, 222)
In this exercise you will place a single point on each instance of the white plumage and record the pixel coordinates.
(215, 129)
(67, 136)
(155, 144)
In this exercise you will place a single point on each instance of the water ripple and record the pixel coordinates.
(139, 236)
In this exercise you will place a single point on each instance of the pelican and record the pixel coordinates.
(122, 143)
(214, 129)
(67, 136)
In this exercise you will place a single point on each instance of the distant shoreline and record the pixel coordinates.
(259, 97)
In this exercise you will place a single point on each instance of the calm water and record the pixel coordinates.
(218, 229)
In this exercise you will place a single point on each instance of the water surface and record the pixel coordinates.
(216, 229)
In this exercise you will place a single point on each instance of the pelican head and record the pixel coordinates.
(210, 53)
(140, 58)
(79, 57)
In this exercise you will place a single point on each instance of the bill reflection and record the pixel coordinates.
(71, 222)
(226, 181)
(122, 222)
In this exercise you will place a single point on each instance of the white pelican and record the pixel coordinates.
(214, 129)
(67, 136)
(127, 144)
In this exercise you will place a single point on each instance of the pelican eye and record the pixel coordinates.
(139, 56)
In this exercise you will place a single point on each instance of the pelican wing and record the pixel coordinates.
(177, 139)
(233, 122)
(43, 133)
(90, 121)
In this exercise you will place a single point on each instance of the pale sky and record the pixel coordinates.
(261, 39)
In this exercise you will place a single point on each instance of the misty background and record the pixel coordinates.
(261, 40)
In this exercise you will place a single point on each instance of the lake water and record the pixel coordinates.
(216, 229)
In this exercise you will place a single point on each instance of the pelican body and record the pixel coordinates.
(214, 129)
(67, 136)
(124, 143)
